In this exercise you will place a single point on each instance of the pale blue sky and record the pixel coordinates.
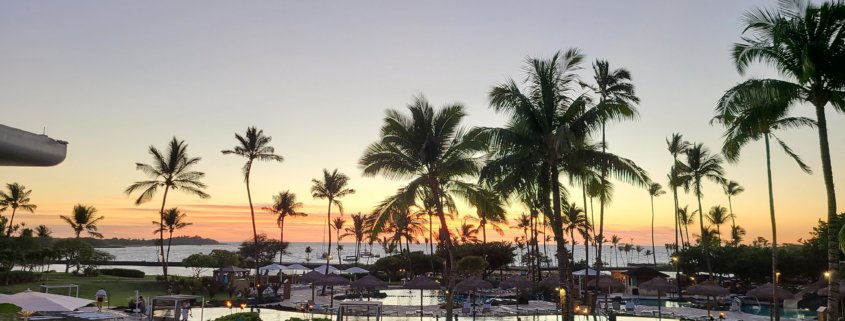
(115, 77)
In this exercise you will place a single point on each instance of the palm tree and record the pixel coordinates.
(43, 232)
(332, 187)
(174, 219)
(406, 226)
(173, 170)
(614, 239)
(701, 165)
(254, 145)
(284, 206)
(686, 218)
(750, 116)
(737, 232)
(308, 251)
(676, 146)
(613, 87)
(466, 233)
(358, 230)
(16, 196)
(732, 188)
(337, 225)
(654, 190)
(804, 41)
(490, 209)
(718, 215)
(83, 220)
(430, 148)
(575, 220)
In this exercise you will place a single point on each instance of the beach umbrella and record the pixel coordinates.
(297, 267)
(589, 272)
(422, 283)
(327, 269)
(331, 280)
(355, 270)
(473, 284)
(310, 277)
(369, 283)
(516, 282)
(826, 290)
(44, 302)
(708, 289)
(273, 267)
(764, 292)
(551, 281)
(660, 285)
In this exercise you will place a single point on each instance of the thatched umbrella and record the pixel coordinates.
(422, 283)
(309, 278)
(369, 283)
(825, 291)
(708, 289)
(551, 281)
(331, 280)
(606, 282)
(516, 282)
(765, 291)
(660, 285)
(473, 284)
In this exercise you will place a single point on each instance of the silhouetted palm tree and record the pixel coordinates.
(654, 190)
(676, 146)
(173, 170)
(337, 225)
(466, 233)
(332, 187)
(701, 165)
(686, 218)
(358, 230)
(804, 41)
(174, 219)
(83, 220)
(732, 189)
(16, 196)
(718, 215)
(284, 206)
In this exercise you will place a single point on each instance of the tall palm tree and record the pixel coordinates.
(358, 230)
(42, 231)
(686, 218)
(254, 146)
(174, 220)
(702, 165)
(737, 232)
(614, 240)
(750, 116)
(170, 170)
(337, 225)
(732, 188)
(83, 220)
(805, 42)
(406, 226)
(654, 190)
(16, 196)
(718, 215)
(332, 187)
(284, 206)
(490, 209)
(429, 147)
(676, 146)
(613, 87)
(466, 233)
(574, 220)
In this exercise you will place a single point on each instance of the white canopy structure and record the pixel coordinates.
(589, 271)
(297, 267)
(355, 270)
(327, 269)
(44, 302)
(273, 267)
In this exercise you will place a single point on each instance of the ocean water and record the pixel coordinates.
(296, 253)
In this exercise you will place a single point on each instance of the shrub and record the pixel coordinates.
(242, 316)
(91, 271)
(128, 273)
(15, 277)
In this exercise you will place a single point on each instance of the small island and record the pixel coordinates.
(130, 242)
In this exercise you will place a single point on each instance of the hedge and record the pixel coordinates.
(241, 316)
(129, 273)
(15, 277)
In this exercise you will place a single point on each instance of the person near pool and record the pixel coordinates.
(101, 297)
(186, 310)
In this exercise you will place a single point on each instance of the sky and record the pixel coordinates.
(113, 78)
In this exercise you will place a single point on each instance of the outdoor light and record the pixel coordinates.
(229, 304)
(674, 259)
(721, 315)
(827, 274)
(692, 278)
(243, 305)
(777, 277)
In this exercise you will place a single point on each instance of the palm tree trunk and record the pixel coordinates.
(704, 238)
(731, 208)
(600, 239)
(430, 235)
(329, 247)
(281, 239)
(563, 260)
(11, 222)
(653, 249)
(447, 242)
(483, 234)
(832, 230)
(161, 233)
(169, 242)
(678, 234)
(254, 230)
(775, 308)
(337, 234)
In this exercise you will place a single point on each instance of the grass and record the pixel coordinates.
(119, 289)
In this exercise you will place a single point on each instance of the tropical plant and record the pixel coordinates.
(732, 188)
(15, 196)
(676, 146)
(466, 233)
(429, 147)
(701, 165)
(173, 170)
(405, 225)
(490, 209)
(654, 190)
(83, 219)
(574, 220)
(717, 216)
(358, 230)
(750, 116)
(337, 225)
(308, 251)
(685, 219)
(805, 42)
(614, 240)
(284, 206)
(332, 187)
(737, 233)
(174, 220)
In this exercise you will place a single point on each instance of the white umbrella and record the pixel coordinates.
(37, 301)
(327, 269)
(299, 267)
(355, 270)
(589, 271)
(273, 267)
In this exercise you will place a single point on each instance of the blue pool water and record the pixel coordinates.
(788, 313)
(665, 303)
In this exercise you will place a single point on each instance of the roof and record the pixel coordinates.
(645, 272)
(232, 269)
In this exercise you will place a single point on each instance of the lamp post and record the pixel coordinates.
(777, 278)
(677, 274)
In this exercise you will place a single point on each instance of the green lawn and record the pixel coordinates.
(120, 289)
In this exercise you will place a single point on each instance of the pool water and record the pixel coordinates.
(411, 297)
(664, 303)
(786, 313)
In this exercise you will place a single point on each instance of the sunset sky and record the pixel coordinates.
(112, 78)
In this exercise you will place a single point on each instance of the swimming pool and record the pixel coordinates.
(411, 297)
(664, 303)
(786, 313)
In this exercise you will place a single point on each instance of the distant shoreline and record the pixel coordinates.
(124, 242)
